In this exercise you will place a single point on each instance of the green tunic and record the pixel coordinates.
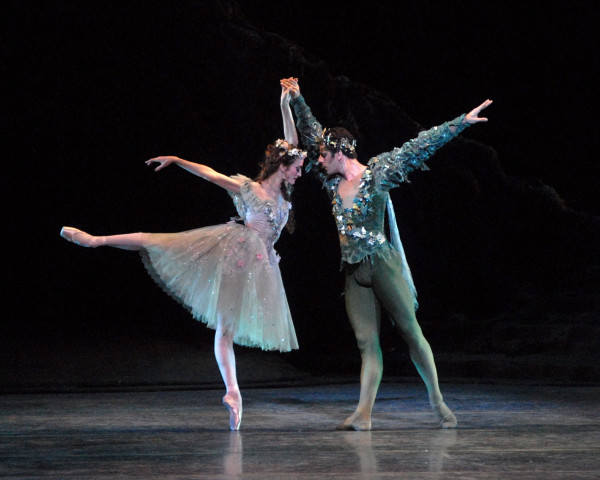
(361, 227)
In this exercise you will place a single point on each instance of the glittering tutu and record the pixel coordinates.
(225, 272)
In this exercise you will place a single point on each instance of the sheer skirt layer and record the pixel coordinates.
(223, 273)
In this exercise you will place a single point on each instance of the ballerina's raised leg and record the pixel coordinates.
(224, 353)
(126, 241)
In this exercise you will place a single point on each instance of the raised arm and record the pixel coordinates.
(393, 167)
(289, 129)
(207, 173)
(308, 126)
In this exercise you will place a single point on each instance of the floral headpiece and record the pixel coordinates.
(317, 136)
(292, 152)
(344, 144)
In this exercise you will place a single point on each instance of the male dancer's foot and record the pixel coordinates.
(233, 402)
(80, 238)
(445, 416)
(357, 421)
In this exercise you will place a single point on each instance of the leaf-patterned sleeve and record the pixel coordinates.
(307, 124)
(392, 168)
(310, 132)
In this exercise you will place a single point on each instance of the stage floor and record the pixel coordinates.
(510, 431)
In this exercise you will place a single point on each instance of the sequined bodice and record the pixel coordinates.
(361, 227)
(265, 217)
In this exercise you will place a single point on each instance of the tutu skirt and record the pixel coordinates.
(225, 273)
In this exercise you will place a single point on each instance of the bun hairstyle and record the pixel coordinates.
(280, 153)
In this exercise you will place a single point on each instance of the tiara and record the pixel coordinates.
(292, 152)
(344, 144)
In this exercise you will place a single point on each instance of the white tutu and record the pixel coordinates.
(227, 273)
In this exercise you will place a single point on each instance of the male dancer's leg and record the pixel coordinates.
(364, 314)
(393, 293)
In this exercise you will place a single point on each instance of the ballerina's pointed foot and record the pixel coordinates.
(355, 422)
(235, 411)
(78, 237)
(445, 416)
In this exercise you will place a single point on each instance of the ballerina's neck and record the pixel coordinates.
(270, 191)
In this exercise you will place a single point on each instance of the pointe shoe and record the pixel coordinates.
(235, 412)
(445, 416)
(77, 237)
(354, 422)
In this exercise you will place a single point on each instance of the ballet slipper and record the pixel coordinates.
(235, 411)
(78, 237)
(355, 422)
(445, 416)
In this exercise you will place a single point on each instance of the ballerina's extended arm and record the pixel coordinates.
(198, 169)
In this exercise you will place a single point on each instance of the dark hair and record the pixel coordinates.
(339, 139)
(278, 154)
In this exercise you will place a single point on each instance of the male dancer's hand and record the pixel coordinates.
(292, 85)
(473, 116)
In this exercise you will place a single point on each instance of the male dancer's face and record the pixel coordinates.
(330, 161)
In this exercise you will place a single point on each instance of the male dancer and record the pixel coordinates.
(376, 271)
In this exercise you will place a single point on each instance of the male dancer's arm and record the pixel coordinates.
(398, 163)
(395, 166)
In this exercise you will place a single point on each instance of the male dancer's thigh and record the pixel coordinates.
(391, 290)
(362, 307)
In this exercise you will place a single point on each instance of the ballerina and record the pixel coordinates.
(227, 275)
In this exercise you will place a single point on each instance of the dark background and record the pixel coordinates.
(502, 235)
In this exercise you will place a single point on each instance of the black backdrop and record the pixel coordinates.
(96, 88)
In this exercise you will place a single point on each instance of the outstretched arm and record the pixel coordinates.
(289, 129)
(395, 166)
(198, 169)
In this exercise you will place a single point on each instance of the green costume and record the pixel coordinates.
(376, 270)
(361, 227)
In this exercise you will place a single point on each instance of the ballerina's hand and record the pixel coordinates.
(472, 116)
(292, 85)
(163, 161)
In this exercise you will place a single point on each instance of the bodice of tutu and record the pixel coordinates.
(265, 217)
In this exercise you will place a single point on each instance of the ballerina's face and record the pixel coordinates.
(293, 172)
